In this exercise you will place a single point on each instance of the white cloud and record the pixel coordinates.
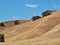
(56, 6)
(15, 17)
(31, 5)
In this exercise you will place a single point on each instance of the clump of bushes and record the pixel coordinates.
(35, 18)
(1, 24)
(47, 12)
(2, 38)
(16, 22)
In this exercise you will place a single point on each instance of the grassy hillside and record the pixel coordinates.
(8, 24)
(44, 31)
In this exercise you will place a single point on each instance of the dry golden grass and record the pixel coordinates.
(12, 23)
(44, 42)
(44, 31)
(9, 24)
(33, 29)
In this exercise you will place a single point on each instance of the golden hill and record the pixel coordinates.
(44, 31)
(12, 23)
(32, 29)
(8, 24)
(50, 38)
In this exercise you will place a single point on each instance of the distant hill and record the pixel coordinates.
(12, 23)
(8, 24)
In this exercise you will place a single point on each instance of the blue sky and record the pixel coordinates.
(25, 9)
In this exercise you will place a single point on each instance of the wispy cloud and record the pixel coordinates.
(15, 17)
(31, 5)
(56, 5)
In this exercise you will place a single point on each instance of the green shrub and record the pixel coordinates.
(35, 18)
(2, 38)
(1, 24)
(47, 12)
(16, 22)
